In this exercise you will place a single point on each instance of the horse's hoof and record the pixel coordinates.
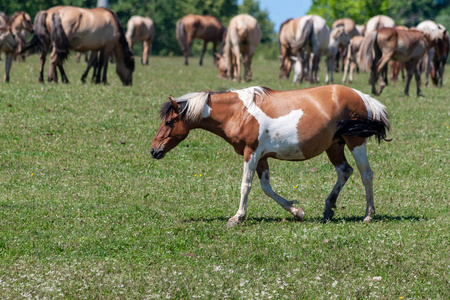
(299, 214)
(231, 224)
(420, 95)
(327, 216)
(367, 219)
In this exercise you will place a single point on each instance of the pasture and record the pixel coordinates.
(85, 212)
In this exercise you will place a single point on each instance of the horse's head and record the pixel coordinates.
(340, 35)
(22, 21)
(221, 64)
(172, 131)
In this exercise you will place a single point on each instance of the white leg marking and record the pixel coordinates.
(360, 155)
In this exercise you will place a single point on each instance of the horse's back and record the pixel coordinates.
(89, 29)
(377, 22)
(245, 28)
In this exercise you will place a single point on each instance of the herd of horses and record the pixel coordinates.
(302, 43)
(258, 122)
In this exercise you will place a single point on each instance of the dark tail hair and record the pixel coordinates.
(41, 38)
(362, 127)
(59, 38)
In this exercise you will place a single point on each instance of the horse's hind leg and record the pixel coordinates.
(145, 52)
(344, 170)
(263, 174)
(357, 147)
(8, 63)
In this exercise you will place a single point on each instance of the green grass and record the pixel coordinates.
(85, 212)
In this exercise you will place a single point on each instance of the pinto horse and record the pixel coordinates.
(97, 29)
(407, 46)
(261, 123)
(243, 36)
(206, 28)
(141, 29)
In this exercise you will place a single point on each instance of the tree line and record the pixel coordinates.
(165, 14)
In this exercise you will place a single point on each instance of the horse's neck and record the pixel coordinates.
(222, 108)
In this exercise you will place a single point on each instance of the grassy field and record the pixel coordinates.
(85, 212)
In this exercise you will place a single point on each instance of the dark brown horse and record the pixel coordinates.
(206, 28)
(407, 46)
(294, 125)
(97, 29)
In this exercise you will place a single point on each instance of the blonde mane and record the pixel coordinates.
(195, 105)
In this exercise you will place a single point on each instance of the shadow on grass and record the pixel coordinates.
(355, 219)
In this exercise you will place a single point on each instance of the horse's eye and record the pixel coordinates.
(169, 123)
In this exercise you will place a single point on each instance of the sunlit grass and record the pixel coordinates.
(86, 212)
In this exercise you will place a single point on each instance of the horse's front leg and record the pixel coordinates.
(203, 52)
(264, 178)
(8, 64)
(247, 178)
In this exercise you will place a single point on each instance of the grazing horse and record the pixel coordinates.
(206, 28)
(350, 60)
(407, 46)
(141, 29)
(8, 45)
(243, 36)
(351, 30)
(97, 29)
(435, 59)
(261, 123)
(21, 26)
(289, 46)
(338, 39)
(318, 45)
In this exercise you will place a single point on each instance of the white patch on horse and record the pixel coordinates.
(278, 135)
(206, 111)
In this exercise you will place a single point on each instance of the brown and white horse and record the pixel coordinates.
(97, 29)
(243, 36)
(407, 46)
(141, 29)
(261, 123)
(8, 45)
(206, 28)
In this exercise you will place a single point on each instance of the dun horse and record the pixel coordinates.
(435, 59)
(243, 36)
(261, 123)
(21, 26)
(206, 28)
(8, 45)
(407, 46)
(141, 29)
(351, 30)
(351, 58)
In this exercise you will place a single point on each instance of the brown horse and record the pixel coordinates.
(350, 60)
(206, 28)
(407, 46)
(8, 45)
(97, 29)
(243, 36)
(261, 123)
(141, 29)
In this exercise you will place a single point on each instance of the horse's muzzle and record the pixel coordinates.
(157, 154)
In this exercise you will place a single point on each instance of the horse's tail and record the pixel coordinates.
(130, 31)
(376, 123)
(41, 38)
(181, 35)
(365, 55)
(129, 58)
(59, 39)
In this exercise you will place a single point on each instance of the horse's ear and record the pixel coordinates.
(174, 104)
(218, 55)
